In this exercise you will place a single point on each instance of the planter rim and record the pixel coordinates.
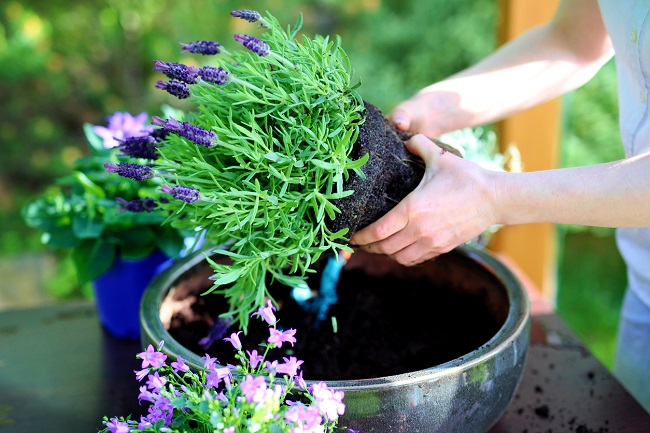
(516, 322)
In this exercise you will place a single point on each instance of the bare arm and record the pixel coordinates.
(540, 65)
(457, 200)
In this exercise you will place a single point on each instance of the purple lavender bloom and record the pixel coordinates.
(216, 331)
(174, 88)
(234, 340)
(180, 192)
(193, 133)
(278, 337)
(177, 71)
(139, 147)
(266, 313)
(146, 204)
(214, 75)
(202, 47)
(151, 357)
(257, 46)
(122, 126)
(132, 171)
(248, 15)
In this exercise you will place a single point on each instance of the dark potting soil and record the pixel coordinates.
(391, 171)
(386, 325)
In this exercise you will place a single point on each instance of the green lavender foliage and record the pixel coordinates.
(285, 125)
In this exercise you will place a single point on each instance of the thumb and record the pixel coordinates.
(424, 148)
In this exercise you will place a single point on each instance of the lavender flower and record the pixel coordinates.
(177, 71)
(184, 129)
(184, 193)
(257, 46)
(248, 15)
(140, 147)
(214, 75)
(132, 171)
(146, 204)
(202, 47)
(122, 126)
(216, 331)
(174, 88)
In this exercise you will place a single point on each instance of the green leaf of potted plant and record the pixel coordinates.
(88, 213)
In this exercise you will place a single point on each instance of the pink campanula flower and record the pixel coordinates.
(330, 402)
(152, 358)
(122, 126)
(279, 337)
(234, 340)
(155, 381)
(253, 388)
(180, 365)
(115, 426)
(289, 367)
(254, 358)
(266, 313)
(208, 362)
(141, 374)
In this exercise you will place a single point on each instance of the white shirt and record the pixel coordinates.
(628, 24)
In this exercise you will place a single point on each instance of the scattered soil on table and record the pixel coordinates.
(386, 324)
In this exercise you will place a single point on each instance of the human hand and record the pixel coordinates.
(454, 203)
(429, 112)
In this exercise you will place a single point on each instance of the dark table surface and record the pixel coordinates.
(60, 372)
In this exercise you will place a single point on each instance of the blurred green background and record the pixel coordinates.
(63, 63)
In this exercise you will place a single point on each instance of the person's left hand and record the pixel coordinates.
(454, 203)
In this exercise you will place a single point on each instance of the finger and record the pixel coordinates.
(414, 254)
(394, 221)
(401, 117)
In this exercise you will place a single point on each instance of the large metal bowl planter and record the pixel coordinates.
(466, 394)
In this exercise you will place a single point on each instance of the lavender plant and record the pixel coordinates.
(257, 395)
(260, 161)
(98, 216)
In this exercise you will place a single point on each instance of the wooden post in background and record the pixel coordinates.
(536, 133)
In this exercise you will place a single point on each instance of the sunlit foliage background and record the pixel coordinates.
(63, 63)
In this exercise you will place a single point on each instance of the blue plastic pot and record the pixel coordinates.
(119, 291)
